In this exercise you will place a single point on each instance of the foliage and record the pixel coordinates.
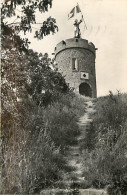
(89, 139)
(24, 75)
(45, 83)
(32, 157)
(39, 113)
(34, 98)
(30, 161)
(28, 17)
(24, 136)
(61, 118)
(108, 158)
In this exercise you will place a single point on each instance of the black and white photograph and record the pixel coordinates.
(63, 97)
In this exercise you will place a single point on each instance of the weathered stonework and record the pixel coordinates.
(85, 54)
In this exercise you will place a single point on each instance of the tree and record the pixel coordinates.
(28, 9)
(38, 66)
(45, 83)
(25, 74)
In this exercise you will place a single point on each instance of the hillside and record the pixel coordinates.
(105, 156)
(98, 160)
(77, 145)
(73, 180)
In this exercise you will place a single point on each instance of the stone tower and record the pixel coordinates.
(75, 59)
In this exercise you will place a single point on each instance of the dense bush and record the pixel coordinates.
(34, 135)
(28, 152)
(30, 158)
(106, 163)
(39, 114)
(61, 118)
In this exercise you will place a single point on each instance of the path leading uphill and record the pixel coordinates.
(74, 156)
(74, 182)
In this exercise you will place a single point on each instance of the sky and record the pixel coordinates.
(106, 22)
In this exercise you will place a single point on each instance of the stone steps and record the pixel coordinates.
(73, 192)
(73, 182)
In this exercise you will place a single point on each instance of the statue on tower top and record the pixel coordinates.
(77, 29)
(76, 10)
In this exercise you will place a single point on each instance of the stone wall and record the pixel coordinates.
(85, 55)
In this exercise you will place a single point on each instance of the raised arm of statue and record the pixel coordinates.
(80, 21)
(77, 30)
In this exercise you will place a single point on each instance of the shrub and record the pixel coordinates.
(30, 161)
(34, 141)
(106, 163)
(61, 119)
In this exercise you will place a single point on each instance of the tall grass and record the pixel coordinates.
(106, 163)
(34, 143)
(61, 120)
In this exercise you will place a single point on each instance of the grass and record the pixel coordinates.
(35, 142)
(105, 148)
(61, 120)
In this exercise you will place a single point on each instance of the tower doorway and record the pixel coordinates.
(85, 89)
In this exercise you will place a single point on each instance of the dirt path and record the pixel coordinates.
(74, 181)
(74, 157)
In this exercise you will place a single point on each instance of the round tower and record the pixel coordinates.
(75, 59)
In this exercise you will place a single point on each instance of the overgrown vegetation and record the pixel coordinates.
(39, 112)
(35, 142)
(105, 153)
(25, 18)
(61, 118)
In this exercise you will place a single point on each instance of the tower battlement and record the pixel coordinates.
(74, 43)
(75, 60)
